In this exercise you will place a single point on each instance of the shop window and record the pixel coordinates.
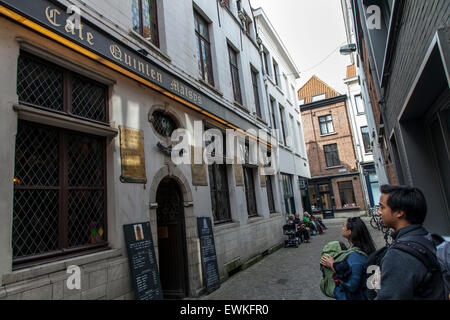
(145, 20)
(203, 49)
(250, 191)
(59, 179)
(347, 194)
(288, 193)
(270, 197)
(59, 192)
(218, 182)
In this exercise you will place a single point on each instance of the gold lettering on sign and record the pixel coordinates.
(90, 37)
(80, 32)
(51, 15)
(115, 51)
(70, 27)
(127, 59)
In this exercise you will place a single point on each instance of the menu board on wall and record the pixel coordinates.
(142, 261)
(208, 253)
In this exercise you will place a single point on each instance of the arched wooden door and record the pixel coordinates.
(171, 240)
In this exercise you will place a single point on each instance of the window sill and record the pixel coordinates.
(255, 219)
(63, 121)
(328, 134)
(347, 209)
(279, 89)
(336, 167)
(240, 106)
(211, 87)
(261, 120)
(51, 267)
(150, 45)
(217, 229)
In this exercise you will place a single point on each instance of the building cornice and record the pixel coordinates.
(322, 103)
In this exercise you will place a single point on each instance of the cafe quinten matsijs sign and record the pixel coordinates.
(51, 19)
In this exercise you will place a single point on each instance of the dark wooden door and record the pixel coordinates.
(171, 240)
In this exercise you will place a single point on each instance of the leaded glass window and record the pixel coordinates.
(203, 46)
(145, 20)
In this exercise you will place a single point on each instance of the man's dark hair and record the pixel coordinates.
(408, 199)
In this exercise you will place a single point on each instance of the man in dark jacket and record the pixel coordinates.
(402, 275)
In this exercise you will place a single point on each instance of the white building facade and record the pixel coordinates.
(369, 154)
(88, 115)
(280, 75)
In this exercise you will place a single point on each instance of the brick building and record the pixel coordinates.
(335, 186)
(403, 52)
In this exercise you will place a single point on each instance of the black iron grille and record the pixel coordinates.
(39, 84)
(88, 99)
(59, 194)
(164, 124)
(35, 222)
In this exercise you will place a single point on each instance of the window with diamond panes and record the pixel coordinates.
(59, 193)
(163, 123)
(44, 85)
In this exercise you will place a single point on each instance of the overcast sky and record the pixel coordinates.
(311, 30)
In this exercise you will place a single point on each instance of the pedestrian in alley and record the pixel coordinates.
(303, 234)
(404, 275)
(350, 274)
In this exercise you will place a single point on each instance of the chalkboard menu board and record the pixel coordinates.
(208, 252)
(142, 261)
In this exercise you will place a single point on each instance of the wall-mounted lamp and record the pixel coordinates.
(348, 49)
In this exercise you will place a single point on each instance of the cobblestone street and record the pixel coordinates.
(287, 274)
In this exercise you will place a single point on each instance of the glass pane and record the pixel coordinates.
(326, 201)
(154, 23)
(85, 161)
(324, 188)
(135, 8)
(323, 128)
(88, 99)
(86, 217)
(37, 156)
(199, 57)
(206, 56)
(330, 127)
(35, 222)
(147, 34)
(39, 83)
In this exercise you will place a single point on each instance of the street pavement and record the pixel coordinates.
(288, 273)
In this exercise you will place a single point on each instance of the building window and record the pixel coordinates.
(220, 199)
(59, 192)
(276, 73)
(282, 119)
(326, 125)
(288, 193)
(256, 92)
(366, 139)
(272, 106)
(145, 21)
(250, 191)
(359, 104)
(234, 69)
(60, 175)
(347, 194)
(270, 197)
(247, 23)
(266, 62)
(331, 155)
(44, 85)
(163, 123)
(318, 97)
(203, 49)
(227, 3)
(302, 101)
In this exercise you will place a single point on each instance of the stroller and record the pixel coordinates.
(291, 231)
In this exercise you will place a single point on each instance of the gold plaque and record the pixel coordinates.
(238, 173)
(132, 155)
(198, 170)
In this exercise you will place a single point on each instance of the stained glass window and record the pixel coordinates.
(145, 20)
